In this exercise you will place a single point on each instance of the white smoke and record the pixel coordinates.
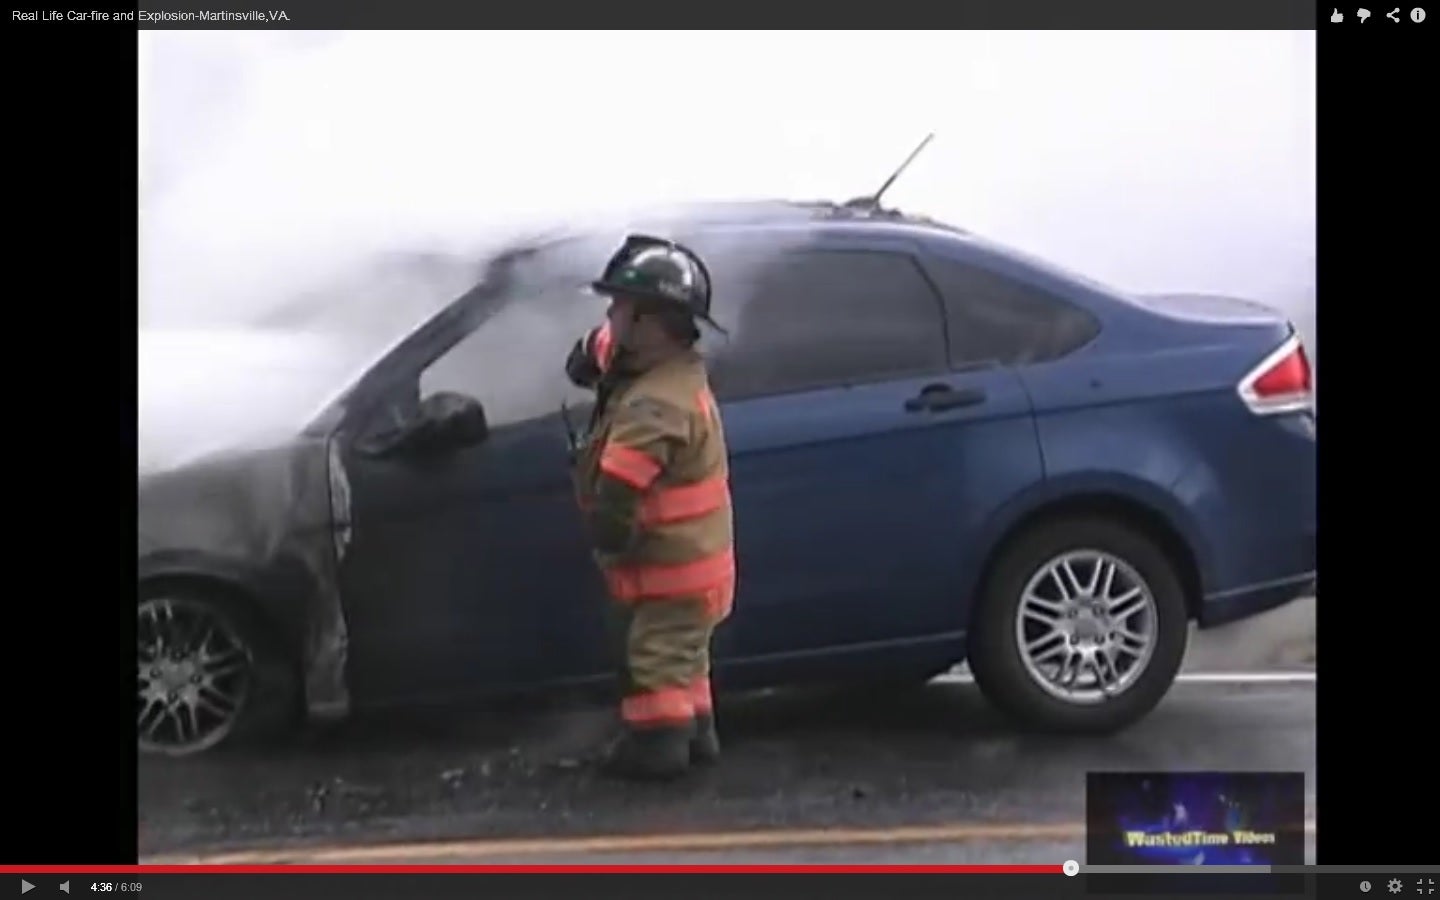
(278, 167)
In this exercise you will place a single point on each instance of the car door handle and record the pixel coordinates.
(939, 397)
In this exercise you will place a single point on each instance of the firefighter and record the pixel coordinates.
(651, 479)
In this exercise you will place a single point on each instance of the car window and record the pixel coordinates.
(815, 318)
(993, 318)
(514, 363)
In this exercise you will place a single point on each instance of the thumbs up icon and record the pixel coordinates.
(1337, 16)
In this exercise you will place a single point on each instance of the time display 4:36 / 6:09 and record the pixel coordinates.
(116, 886)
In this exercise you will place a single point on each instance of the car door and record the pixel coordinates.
(861, 460)
(471, 572)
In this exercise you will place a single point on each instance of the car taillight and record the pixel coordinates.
(1281, 383)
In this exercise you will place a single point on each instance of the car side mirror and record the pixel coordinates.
(444, 423)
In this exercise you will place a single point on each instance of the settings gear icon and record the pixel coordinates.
(1394, 885)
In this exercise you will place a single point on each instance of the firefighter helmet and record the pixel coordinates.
(655, 269)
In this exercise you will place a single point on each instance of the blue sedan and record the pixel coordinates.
(943, 451)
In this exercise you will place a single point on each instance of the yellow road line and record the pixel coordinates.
(641, 843)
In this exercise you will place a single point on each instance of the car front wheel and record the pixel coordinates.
(208, 675)
(1081, 627)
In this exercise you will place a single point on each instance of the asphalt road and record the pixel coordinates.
(931, 774)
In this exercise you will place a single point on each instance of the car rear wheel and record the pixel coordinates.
(1081, 627)
(209, 674)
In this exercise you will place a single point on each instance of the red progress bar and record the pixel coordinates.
(452, 870)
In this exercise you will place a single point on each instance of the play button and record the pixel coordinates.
(25, 886)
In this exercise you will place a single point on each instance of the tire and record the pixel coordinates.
(1019, 687)
(215, 678)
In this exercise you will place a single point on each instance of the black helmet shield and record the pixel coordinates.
(661, 272)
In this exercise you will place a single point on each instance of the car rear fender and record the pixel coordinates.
(1152, 505)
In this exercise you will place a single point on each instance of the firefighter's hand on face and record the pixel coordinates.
(580, 368)
(589, 357)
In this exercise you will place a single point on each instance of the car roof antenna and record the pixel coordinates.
(872, 202)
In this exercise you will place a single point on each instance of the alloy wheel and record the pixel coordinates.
(1086, 626)
(195, 674)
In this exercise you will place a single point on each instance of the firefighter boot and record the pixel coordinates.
(651, 754)
(705, 745)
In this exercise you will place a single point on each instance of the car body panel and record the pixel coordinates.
(475, 564)
(1240, 487)
(1080, 489)
(1253, 487)
(853, 513)
(264, 522)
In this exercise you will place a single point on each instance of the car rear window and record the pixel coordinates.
(997, 319)
(813, 318)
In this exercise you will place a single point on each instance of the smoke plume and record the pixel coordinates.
(306, 198)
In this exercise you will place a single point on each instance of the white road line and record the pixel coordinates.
(1294, 677)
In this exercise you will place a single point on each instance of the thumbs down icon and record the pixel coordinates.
(1363, 14)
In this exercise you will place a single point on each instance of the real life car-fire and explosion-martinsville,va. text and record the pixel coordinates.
(147, 16)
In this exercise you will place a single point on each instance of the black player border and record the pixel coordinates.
(599, 883)
(695, 882)
(73, 189)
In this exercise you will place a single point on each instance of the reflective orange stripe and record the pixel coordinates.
(664, 705)
(720, 599)
(687, 501)
(629, 465)
(700, 697)
(706, 401)
(699, 577)
(604, 347)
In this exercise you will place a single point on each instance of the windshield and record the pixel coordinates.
(207, 387)
(295, 367)
(513, 363)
